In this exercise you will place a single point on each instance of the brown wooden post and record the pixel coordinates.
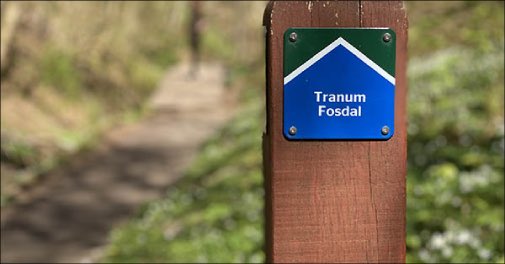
(334, 201)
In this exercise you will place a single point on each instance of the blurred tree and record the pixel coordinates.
(10, 13)
(194, 33)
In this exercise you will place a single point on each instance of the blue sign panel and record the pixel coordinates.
(338, 94)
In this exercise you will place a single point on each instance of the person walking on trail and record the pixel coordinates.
(195, 30)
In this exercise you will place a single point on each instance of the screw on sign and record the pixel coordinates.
(335, 143)
(385, 130)
(386, 37)
(292, 37)
(292, 130)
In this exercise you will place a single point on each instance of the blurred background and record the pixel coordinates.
(74, 72)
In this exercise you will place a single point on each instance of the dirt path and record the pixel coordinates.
(69, 215)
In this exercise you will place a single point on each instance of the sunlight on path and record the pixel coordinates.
(68, 216)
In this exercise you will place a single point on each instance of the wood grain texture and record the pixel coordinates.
(333, 201)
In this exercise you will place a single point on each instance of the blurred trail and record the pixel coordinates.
(68, 216)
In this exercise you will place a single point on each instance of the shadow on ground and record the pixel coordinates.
(68, 216)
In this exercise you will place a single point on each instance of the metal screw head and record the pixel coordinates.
(385, 130)
(292, 131)
(293, 36)
(386, 37)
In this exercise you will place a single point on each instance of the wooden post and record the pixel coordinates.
(334, 201)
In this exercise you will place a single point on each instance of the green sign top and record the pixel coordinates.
(370, 41)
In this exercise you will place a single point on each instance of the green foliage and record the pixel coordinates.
(19, 153)
(476, 25)
(217, 45)
(146, 74)
(58, 70)
(162, 56)
(455, 180)
(456, 136)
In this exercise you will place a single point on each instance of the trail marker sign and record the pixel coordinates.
(339, 83)
(335, 179)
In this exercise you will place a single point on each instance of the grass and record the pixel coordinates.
(58, 70)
